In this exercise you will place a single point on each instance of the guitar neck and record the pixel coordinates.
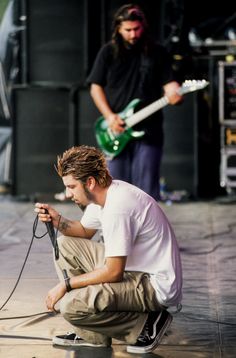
(187, 86)
(146, 111)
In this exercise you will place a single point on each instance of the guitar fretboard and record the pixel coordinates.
(147, 111)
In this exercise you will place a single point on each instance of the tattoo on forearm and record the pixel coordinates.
(64, 225)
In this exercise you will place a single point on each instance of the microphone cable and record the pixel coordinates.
(34, 236)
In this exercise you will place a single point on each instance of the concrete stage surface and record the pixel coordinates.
(206, 326)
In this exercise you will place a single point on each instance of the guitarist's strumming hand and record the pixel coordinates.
(171, 91)
(116, 123)
(112, 144)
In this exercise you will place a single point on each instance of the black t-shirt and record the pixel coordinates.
(131, 76)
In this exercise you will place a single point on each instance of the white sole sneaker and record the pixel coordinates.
(77, 342)
(151, 347)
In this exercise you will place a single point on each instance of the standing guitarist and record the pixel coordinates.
(133, 66)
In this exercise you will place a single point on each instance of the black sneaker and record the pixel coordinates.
(72, 340)
(153, 331)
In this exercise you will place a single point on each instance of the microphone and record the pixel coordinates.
(52, 235)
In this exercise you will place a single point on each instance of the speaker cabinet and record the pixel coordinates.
(191, 157)
(179, 165)
(43, 128)
(56, 42)
(87, 114)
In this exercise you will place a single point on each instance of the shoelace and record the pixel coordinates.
(144, 335)
(76, 337)
(69, 333)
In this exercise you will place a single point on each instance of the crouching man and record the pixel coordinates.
(122, 287)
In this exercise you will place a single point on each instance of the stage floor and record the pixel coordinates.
(206, 326)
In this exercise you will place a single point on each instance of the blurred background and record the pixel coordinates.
(47, 49)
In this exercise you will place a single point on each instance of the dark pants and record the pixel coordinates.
(139, 164)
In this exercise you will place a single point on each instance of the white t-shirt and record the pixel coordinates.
(134, 225)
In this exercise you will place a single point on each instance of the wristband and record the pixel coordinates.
(67, 281)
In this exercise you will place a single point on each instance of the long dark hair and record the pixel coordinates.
(130, 12)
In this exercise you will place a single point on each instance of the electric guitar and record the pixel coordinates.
(112, 143)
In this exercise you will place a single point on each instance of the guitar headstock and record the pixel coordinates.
(193, 85)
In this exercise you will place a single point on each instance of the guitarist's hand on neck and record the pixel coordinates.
(171, 92)
(116, 123)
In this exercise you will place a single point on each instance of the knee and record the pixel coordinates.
(65, 307)
(68, 311)
(61, 240)
(64, 242)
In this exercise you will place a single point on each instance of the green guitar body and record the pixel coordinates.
(111, 143)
